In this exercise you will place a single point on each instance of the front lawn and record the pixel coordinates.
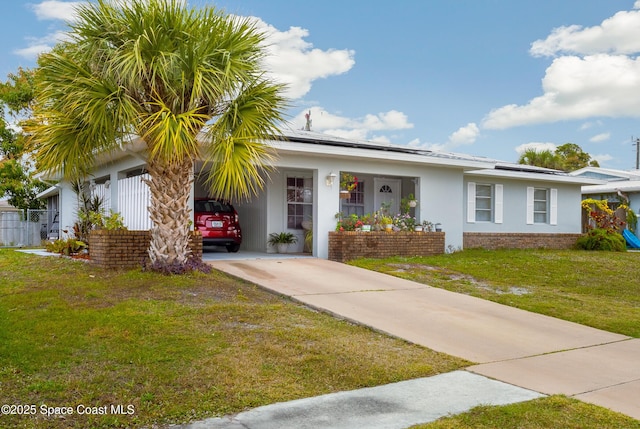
(141, 349)
(598, 289)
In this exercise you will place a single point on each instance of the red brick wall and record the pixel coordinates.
(127, 249)
(492, 241)
(346, 245)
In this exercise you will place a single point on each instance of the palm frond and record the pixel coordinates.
(234, 154)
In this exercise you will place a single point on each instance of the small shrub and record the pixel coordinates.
(282, 238)
(602, 239)
(66, 247)
(192, 264)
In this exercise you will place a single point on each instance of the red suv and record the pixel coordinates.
(218, 223)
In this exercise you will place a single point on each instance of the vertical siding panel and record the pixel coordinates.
(133, 200)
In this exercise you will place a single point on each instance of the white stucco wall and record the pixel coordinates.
(440, 190)
(440, 193)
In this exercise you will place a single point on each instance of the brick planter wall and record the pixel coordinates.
(346, 245)
(493, 241)
(127, 249)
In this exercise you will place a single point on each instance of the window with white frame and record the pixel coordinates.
(542, 206)
(299, 201)
(484, 202)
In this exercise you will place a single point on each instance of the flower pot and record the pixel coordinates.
(413, 203)
(282, 247)
(366, 228)
(417, 228)
(345, 195)
(388, 227)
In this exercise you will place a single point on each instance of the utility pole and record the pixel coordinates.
(637, 144)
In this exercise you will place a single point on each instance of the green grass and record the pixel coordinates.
(175, 348)
(598, 289)
(545, 413)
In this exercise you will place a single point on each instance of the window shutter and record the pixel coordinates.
(553, 207)
(529, 205)
(471, 202)
(498, 205)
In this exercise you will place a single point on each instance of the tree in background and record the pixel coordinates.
(17, 179)
(567, 157)
(541, 158)
(574, 158)
(188, 82)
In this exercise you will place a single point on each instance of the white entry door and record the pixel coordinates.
(387, 191)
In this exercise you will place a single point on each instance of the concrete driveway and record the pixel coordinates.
(525, 349)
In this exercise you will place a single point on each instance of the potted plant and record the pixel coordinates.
(348, 182)
(366, 222)
(412, 200)
(387, 222)
(281, 240)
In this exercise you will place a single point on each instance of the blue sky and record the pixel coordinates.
(483, 77)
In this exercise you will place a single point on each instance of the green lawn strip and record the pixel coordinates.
(176, 348)
(598, 289)
(545, 413)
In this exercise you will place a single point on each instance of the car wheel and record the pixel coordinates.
(233, 248)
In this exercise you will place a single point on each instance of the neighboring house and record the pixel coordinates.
(477, 200)
(618, 182)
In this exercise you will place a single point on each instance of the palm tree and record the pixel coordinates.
(540, 158)
(188, 82)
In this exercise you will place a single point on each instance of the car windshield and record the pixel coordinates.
(212, 206)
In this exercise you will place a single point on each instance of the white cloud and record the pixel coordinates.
(56, 10)
(358, 128)
(600, 137)
(619, 34)
(464, 135)
(32, 51)
(36, 46)
(596, 75)
(537, 146)
(601, 158)
(591, 124)
(578, 88)
(294, 61)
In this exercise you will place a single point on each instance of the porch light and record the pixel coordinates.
(331, 177)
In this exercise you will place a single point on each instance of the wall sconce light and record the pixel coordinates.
(331, 177)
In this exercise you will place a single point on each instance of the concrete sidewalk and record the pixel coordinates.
(393, 406)
(524, 349)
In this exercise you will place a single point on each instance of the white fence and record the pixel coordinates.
(102, 191)
(26, 228)
(134, 198)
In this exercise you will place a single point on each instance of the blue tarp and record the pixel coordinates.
(632, 241)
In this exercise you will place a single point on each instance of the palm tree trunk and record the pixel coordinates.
(170, 187)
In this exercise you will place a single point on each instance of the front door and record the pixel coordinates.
(387, 191)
